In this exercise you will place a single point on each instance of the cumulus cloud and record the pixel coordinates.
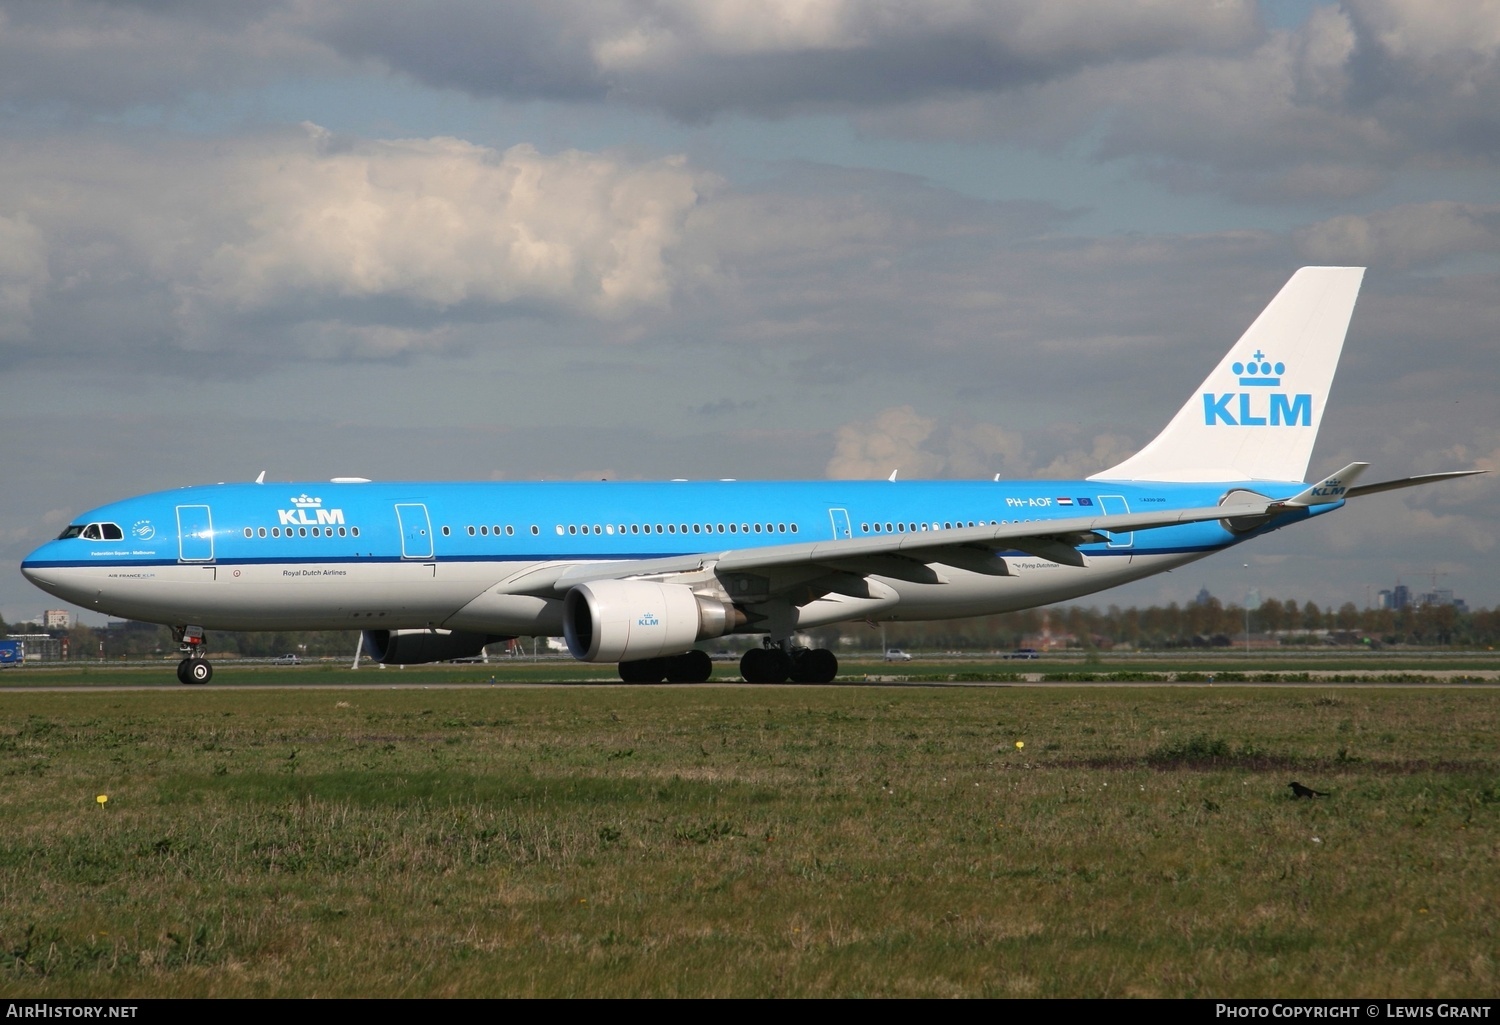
(304, 235)
(443, 221)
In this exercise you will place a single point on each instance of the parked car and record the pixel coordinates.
(287, 660)
(896, 655)
(1023, 653)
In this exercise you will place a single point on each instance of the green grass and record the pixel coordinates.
(814, 841)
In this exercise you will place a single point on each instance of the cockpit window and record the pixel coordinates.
(94, 532)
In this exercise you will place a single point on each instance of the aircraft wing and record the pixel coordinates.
(909, 556)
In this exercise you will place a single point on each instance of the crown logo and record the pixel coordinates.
(1259, 373)
(304, 502)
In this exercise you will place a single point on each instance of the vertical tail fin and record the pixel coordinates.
(1257, 415)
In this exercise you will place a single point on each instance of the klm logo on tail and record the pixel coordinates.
(1262, 403)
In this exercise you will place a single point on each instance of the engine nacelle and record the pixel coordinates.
(626, 620)
(414, 647)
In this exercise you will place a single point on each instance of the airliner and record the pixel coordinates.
(641, 574)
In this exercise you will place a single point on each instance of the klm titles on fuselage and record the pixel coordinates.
(299, 517)
(1260, 406)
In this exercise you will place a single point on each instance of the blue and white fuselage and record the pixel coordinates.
(457, 555)
(641, 573)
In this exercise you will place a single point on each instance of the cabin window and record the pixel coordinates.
(534, 530)
(485, 531)
(445, 532)
(559, 528)
(509, 530)
(794, 528)
(342, 532)
(301, 531)
(354, 531)
(263, 531)
(572, 528)
(471, 531)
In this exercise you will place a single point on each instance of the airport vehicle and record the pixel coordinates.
(639, 573)
(12, 653)
(897, 655)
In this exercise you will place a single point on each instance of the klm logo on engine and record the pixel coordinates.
(309, 513)
(648, 619)
(1262, 403)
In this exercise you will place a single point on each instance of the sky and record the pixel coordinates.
(760, 239)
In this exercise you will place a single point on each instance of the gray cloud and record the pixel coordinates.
(694, 60)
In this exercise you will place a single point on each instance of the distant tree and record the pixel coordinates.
(1348, 616)
(1312, 616)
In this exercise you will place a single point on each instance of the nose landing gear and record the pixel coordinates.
(195, 669)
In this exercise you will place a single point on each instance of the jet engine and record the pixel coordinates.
(626, 620)
(414, 647)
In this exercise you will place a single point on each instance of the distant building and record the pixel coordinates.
(57, 619)
(1401, 597)
(1203, 597)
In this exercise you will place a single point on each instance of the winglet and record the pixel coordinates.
(1330, 489)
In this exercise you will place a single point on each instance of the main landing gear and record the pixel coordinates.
(195, 669)
(689, 667)
(781, 662)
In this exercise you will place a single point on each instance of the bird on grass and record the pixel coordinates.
(1298, 790)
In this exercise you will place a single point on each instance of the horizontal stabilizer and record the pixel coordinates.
(1409, 482)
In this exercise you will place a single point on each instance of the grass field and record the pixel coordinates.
(814, 841)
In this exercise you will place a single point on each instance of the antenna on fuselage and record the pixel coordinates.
(892, 477)
(262, 478)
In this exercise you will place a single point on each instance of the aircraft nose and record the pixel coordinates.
(40, 571)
